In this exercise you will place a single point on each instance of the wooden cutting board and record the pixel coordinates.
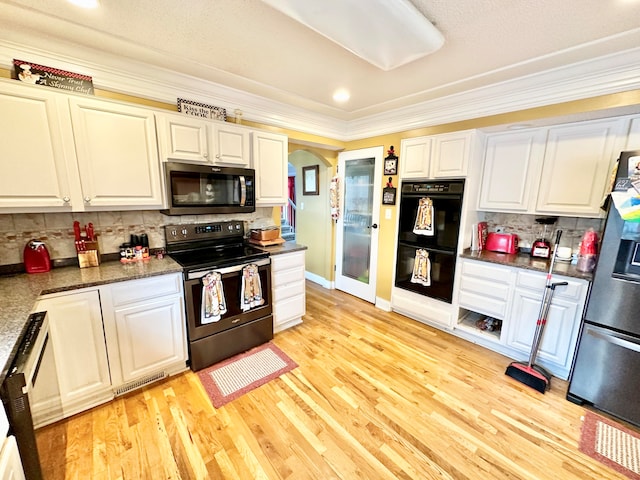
(267, 243)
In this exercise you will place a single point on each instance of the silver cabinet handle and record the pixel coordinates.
(87, 199)
(66, 199)
(218, 156)
(205, 155)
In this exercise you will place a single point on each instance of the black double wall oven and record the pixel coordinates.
(443, 199)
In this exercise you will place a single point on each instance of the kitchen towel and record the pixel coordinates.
(213, 302)
(251, 295)
(424, 218)
(421, 268)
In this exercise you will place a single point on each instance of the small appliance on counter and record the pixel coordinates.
(36, 257)
(541, 247)
(502, 242)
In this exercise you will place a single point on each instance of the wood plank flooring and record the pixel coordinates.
(376, 396)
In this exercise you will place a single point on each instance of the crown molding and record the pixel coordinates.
(599, 76)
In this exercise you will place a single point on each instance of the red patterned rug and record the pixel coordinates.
(235, 376)
(612, 444)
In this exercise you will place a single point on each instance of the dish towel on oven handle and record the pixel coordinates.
(421, 268)
(251, 294)
(213, 302)
(424, 218)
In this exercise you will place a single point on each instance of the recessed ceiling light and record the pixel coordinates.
(341, 95)
(85, 3)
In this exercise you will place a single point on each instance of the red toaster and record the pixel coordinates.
(36, 257)
(502, 242)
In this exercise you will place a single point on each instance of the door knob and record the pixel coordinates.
(375, 225)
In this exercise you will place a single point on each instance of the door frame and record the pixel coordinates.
(354, 287)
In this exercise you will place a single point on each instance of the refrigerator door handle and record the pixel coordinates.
(616, 340)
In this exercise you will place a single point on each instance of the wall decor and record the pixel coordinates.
(201, 110)
(35, 74)
(310, 180)
(389, 194)
(391, 162)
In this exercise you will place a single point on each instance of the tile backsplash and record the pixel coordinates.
(112, 228)
(528, 230)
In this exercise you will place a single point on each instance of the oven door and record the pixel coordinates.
(199, 327)
(442, 269)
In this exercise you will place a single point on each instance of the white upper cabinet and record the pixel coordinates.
(196, 140)
(414, 157)
(232, 145)
(437, 156)
(270, 152)
(450, 153)
(511, 160)
(117, 154)
(75, 153)
(34, 126)
(183, 138)
(633, 140)
(560, 170)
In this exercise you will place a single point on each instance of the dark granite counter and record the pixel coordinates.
(18, 293)
(523, 260)
(286, 247)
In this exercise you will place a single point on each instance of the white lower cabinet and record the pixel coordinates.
(145, 330)
(109, 340)
(514, 295)
(10, 464)
(288, 289)
(75, 323)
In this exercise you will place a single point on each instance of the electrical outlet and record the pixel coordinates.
(500, 229)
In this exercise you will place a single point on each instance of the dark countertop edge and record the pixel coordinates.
(524, 261)
(172, 267)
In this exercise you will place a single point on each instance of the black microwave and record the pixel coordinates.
(199, 189)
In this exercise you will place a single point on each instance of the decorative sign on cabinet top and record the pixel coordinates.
(201, 110)
(35, 74)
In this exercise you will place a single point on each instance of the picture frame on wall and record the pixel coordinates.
(310, 180)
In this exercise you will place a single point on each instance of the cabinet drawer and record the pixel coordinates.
(288, 260)
(284, 277)
(289, 290)
(289, 308)
(152, 287)
(534, 281)
(487, 271)
(485, 287)
(483, 304)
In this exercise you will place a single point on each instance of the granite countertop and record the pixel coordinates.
(286, 247)
(18, 293)
(524, 260)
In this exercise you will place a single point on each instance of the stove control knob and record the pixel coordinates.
(184, 232)
(237, 226)
(174, 233)
(230, 227)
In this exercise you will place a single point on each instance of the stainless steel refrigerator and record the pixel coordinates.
(606, 366)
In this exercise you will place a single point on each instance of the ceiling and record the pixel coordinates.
(249, 46)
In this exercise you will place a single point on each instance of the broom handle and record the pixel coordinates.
(544, 306)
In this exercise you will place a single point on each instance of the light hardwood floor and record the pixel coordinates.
(375, 396)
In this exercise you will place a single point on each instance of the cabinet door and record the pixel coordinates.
(511, 172)
(151, 337)
(450, 154)
(633, 139)
(183, 138)
(562, 321)
(33, 126)
(414, 157)
(10, 463)
(270, 162)
(231, 144)
(77, 335)
(577, 167)
(288, 285)
(117, 154)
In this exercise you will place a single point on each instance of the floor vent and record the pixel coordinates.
(139, 383)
